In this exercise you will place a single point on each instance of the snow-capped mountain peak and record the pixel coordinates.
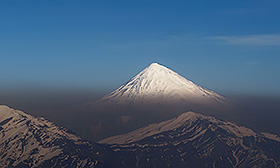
(158, 84)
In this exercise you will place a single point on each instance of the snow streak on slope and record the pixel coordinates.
(36, 142)
(160, 85)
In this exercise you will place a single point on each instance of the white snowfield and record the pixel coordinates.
(185, 119)
(24, 137)
(157, 84)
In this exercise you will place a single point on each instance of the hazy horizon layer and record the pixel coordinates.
(261, 112)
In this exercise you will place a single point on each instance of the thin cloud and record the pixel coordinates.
(255, 40)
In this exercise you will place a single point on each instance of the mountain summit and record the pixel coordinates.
(157, 84)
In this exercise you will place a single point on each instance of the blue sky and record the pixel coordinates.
(232, 47)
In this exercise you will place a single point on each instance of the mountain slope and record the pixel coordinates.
(26, 141)
(195, 140)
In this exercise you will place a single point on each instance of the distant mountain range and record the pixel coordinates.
(189, 140)
(195, 140)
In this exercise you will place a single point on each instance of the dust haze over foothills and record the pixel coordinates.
(58, 54)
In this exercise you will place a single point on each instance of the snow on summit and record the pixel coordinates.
(160, 85)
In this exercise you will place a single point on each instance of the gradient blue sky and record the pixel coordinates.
(232, 47)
